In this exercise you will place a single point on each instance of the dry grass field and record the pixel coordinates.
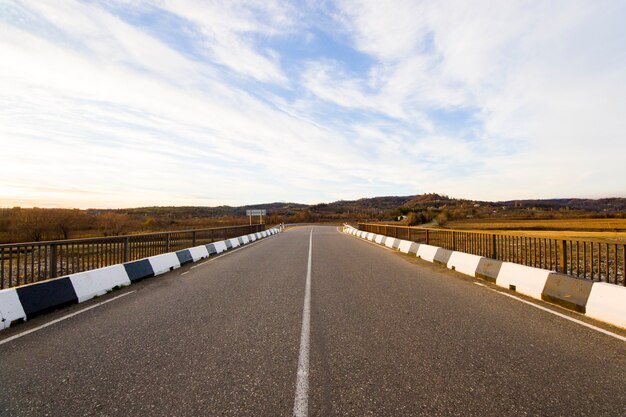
(612, 229)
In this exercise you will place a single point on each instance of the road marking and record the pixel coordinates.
(556, 313)
(301, 403)
(17, 336)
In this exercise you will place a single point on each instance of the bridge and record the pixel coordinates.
(312, 321)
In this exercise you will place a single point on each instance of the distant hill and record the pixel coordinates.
(391, 206)
(17, 224)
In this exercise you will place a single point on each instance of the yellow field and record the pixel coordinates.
(613, 229)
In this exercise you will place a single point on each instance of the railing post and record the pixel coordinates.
(563, 257)
(225, 233)
(126, 249)
(167, 242)
(427, 236)
(193, 238)
(53, 260)
(453, 240)
(494, 251)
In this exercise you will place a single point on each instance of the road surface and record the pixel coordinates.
(390, 335)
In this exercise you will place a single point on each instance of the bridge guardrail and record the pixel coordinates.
(26, 263)
(593, 259)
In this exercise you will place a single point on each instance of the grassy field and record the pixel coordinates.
(613, 229)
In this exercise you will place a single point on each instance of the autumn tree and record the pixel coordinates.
(113, 224)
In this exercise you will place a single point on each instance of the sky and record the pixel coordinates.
(126, 103)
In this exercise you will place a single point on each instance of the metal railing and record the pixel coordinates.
(25, 263)
(592, 259)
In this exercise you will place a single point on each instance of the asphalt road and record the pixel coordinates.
(389, 335)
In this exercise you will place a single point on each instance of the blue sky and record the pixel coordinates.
(128, 103)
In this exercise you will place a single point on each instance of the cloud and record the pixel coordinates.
(228, 33)
(170, 102)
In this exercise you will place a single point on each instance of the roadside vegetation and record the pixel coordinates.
(581, 218)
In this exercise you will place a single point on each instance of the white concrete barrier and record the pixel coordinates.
(90, 284)
(464, 262)
(408, 246)
(220, 246)
(525, 279)
(245, 240)
(607, 302)
(379, 239)
(427, 252)
(390, 242)
(10, 308)
(252, 237)
(234, 242)
(370, 236)
(199, 252)
(164, 263)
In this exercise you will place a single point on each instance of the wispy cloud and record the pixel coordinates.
(126, 103)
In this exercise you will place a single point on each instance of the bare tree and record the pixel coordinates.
(31, 225)
(113, 224)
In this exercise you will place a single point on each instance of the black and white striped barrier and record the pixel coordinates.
(598, 300)
(22, 303)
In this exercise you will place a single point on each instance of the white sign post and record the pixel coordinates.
(259, 213)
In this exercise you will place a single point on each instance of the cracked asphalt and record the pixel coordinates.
(390, 336)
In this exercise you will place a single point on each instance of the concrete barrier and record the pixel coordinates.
(427, 252)
(379, 239)
(234, 242)
(90, 284)
(488, 269)
(10, 308)
(46, 296)
(566, 291)
(607, 302)
(164, 263)
(523, 279)
(220, 246)
(392, 242)
(442, 256)
(464, 263)
(406, 246)
(138, 270)
(370, 236)
(184, 257)
(198, 252)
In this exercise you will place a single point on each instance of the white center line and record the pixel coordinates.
(301, 403)
(17, 336)
(556, 313)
